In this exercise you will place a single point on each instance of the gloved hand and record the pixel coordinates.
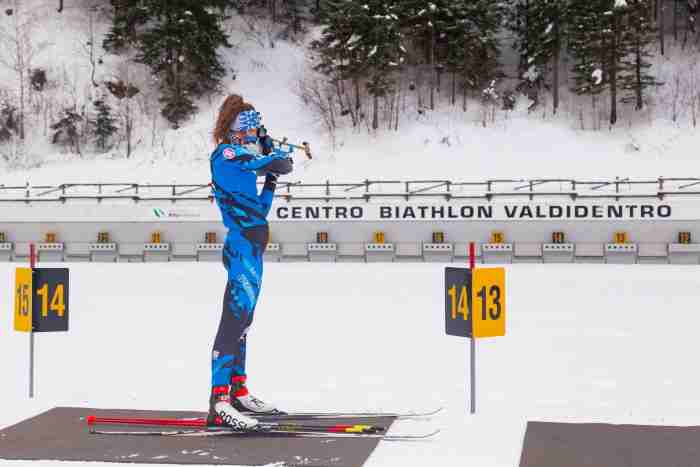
(270, 181)
(267, 144)
(281, 164)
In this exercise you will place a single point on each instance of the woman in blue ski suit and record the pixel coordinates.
(242, 154)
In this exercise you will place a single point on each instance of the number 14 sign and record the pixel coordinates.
(475, 302)
(41, 299)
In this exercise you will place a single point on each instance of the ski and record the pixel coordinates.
(268, 431)
(263, 426)
(320, 415)
(198, 427)
(281, 416)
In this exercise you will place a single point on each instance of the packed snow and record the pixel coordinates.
(584, 343)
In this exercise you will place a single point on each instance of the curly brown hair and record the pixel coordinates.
(228, 111)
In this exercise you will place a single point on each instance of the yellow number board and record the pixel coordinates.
(489, 302)
(23, 300)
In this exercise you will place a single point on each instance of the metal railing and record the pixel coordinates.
(369, 190)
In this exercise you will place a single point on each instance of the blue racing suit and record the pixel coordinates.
(234, 171)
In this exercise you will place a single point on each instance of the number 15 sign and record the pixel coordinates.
(475, 302)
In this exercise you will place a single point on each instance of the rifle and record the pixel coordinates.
(304, 146)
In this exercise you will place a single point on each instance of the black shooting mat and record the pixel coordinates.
(61, 434)
(604, 445)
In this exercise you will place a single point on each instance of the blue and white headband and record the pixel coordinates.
(246, 120)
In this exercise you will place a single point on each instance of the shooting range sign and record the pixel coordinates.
(41, 300)
(23, 300)
(458, 297)
(475, 302)
(489, 302)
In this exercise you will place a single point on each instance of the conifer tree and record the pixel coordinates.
(481, 42)
(600, 44)
(368, 41)
(428, 23)
(8, 121)
(691, 12)
(531, 24)
(459, 31)
(361, 41)
(67, 129)
(518, 20)
(585, 45)
(295, 10)
(180, 44)
(337, 56)
(127, 16)
(615, 48)
(693, 8)
(379, 46)
(335, 49)
(549, 21)
(641, 34)
(104, 124)
(460, 35)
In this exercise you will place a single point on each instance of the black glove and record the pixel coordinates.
(266, 142)
(270, 181)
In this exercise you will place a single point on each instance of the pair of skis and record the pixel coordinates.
(283, 424)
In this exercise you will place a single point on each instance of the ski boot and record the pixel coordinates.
(244, 402)
(223, 414)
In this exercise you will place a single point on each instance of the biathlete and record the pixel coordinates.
(243, 153)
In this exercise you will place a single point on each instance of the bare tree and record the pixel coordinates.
(431, 63)
(662, 24)
(694, 97)
(318, 96)
(17, 52)
(675, 21)
(124, 89)
(89, 47)
(259, 28)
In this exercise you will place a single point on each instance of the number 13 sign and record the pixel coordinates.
(475, 302)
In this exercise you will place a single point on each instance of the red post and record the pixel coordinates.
(32, 256)
(472, 255)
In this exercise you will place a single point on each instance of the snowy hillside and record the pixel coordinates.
(444, 144)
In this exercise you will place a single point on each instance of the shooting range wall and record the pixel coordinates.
(427, 221)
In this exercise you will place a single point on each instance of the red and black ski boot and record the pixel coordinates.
(223, 414)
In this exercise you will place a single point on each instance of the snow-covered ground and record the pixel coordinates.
(584, 343)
